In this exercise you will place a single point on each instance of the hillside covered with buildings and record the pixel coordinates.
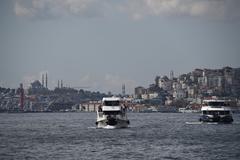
(192, 87)
(169, 92)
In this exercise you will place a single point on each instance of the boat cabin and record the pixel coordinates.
(206, 112)
(111, 106)
(215, 107)
(216, 111)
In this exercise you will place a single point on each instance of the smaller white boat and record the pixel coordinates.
(216, 111)
(112, 114)
(187, 110)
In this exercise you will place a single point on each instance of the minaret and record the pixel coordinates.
(46, 81)
(123, 90)
(171, 75)
(58, 84)
(42, 80)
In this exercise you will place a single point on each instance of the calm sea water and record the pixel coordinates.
(150, 136)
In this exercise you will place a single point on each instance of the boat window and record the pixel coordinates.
(111, 112)
(204, 112)
(216, 104)
(111, 103)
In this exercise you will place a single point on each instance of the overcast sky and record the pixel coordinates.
(105, 43)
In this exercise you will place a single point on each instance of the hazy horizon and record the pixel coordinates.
(104, 44)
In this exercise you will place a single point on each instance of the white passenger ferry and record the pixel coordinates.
(216, 111)
(112, 114)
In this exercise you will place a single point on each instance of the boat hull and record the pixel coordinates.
(219, 119)
(118, 123)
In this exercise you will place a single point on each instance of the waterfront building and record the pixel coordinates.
(90, 106)
(139, 91)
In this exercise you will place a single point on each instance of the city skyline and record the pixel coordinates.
(105, 44)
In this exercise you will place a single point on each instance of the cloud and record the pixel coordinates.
(137, 9)
(57, 8)
(20, 10)
(114, 83)
(104, 83)
(217, 9)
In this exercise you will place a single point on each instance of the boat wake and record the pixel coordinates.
(193, 123)
(92, 127)
(105, 127)
(210, 123)
(109, 127)
(198, 123)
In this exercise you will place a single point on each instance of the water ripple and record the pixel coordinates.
(71, 136)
